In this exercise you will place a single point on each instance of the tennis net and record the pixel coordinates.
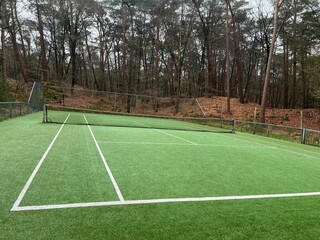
(78, 116)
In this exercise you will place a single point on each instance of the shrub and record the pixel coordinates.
(5, 95)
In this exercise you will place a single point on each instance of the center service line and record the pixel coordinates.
(115, 185)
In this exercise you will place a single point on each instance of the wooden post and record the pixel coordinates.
(255, 115)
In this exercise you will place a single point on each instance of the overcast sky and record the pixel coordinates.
(265, 5)
(257, 5)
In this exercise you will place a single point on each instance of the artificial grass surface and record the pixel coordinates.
(196, 124)
(72, 172)
(224, 166)
(24, 140)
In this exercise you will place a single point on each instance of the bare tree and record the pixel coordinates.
(238, 56)
(277, 4)
(3, 38)
(228, 58)
(43, 58)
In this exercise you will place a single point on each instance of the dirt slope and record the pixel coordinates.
(217, 106)
(211, 106)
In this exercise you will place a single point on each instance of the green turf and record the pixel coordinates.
(72, 172)
(165, 166)
(221, 165)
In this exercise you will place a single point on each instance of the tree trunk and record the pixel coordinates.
(43, 58)
(12, 29)
(157, 53)
(268, 71)
(25, 65)
(238, 56)
(285, 73)
(304, 78)
(124, 48)
(227, 74)
(3, 39)
(97, 85)
(294, 57)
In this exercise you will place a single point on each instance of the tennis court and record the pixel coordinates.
(133, 164)
(102, 166)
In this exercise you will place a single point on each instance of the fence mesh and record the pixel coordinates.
(269, 130)
(36, 97)
(120, 102)
(13, 109)
(311, 137)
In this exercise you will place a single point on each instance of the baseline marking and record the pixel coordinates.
(113, 180)
(164, 200)
(35, 171)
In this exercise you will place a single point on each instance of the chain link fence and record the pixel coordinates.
(311, 137)
(120, 102)
(14, 109)
(35, 100)
(299, 135)
(143, 104)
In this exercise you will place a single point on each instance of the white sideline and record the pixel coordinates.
(28, 183)
(188, 144)
(113, 180)
(264, 143)
(164, 200)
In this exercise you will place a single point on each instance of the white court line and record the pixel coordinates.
(298, 153)
(188, 144)
(193, 143)
(286, 150)
(113, 180)
(282, 142)
(164, 200)
(28, 183)
(264, 143)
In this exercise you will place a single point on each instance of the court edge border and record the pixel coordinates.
(158, 201)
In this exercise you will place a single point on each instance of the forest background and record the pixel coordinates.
(165, 48)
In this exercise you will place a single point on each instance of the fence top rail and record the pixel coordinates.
(33, 86)
(313, 131)
(279, 126)
(13, 103)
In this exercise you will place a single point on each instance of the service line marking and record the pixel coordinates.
(193, 143)
(164, 200)
(113, 180)
(35, 171)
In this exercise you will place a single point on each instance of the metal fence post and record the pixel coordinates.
(11, 107)
(303, 136)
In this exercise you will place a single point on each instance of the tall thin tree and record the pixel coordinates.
(264, 100)
(228, 58)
